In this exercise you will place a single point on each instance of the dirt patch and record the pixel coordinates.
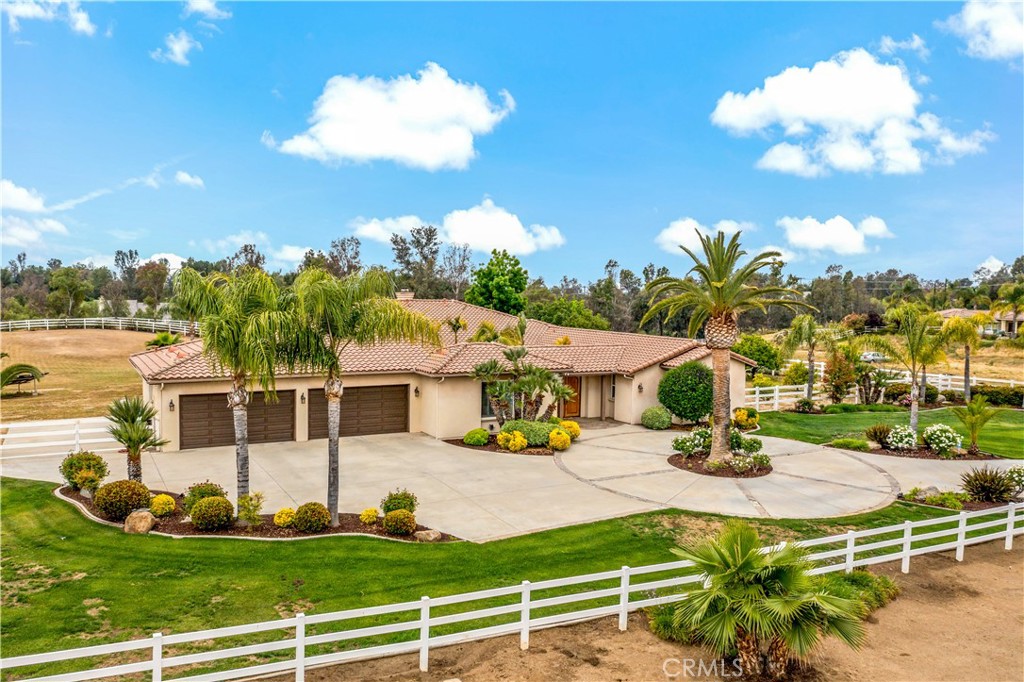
(26, 579)
(697, 464)
(952, 621)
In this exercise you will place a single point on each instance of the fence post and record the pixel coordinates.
(775, 408)
(624, 599)
(424, 632)
(961, 536)
(908, 533)
(158, 656)
(851, 542)
(78, 446)
(1010, 513)
(300, 647)
(757, 398)
(524, 618)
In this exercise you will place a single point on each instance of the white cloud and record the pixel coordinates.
(289, 254)
(424, 121)
(15, 198)
(786, 255)
(992, 30)
(206, 8)
(836, 234)
(914, 43)
(991, 264)
(381, 229)
(684, 232)
(26, 232)
(225, 246)
(69, 11)
(189, 180)
(177, 47)
(851, 113)
(734, 226)
(174, 261)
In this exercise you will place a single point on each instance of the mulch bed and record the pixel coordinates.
(492, 446)
(175, 524)
(696, 464)
(968, 506)
(925, 453)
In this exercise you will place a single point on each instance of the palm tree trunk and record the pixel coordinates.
(238, 401)
(810, 372)
(778, 658)
(720, 406)
(922, 394)
(332, 390)
(749, 652)
(914, 395)
(135, 466)
(967, 374)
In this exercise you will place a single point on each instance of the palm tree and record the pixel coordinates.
(330, 314)
(805, 331)
(750, 598)
(163, 339)
(914, 346)
(192, 296)
(10, 373)
(974, 416)
(963, 331)
(559, 393)
(244, 317)
(1010, 301)
(130, 425)
(456, 324)
(485, 333)
(721, 292)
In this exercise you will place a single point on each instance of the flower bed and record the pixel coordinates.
(697, 464)
(926, 453)
(492, 446)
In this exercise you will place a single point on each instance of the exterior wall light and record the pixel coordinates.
(170, 405)
(416, 391)
(302, 398)
(640, 388)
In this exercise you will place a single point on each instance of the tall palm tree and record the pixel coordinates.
(913, 347)
(963, 331)
(719, 293)
(805, 331)
(1010, 301)
(244, 316)
(130, 426)
(328, 315)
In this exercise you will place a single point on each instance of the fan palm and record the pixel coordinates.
(719, 293)
(328, 315)
(559, 393)
(963, 331)
(974, 416)
(130, 426)
(163, 339)
(805, 331)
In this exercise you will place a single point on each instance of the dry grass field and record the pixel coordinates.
(87, 368)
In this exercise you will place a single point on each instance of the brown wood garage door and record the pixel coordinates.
(365, 410)
(206, 421)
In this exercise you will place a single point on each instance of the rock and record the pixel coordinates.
(928, 492)
(140, 521)
(941, 399)
(874, 446)
(427, 535)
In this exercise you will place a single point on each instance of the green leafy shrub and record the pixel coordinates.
(536, 433)
(1012, 396)
(987, 484)
(695, 442)
(764, 353)
(199, 491)
(399, 522)
(895, 390)
(761, 460)
(399, 499)
(78, 461)
(901, 437)
(212, 513)
(952, 396)
(656, 417)
(686, 391)
(162, 505)
(851, 444)
(476, 437)
(804, 406)
(661, 621)
(250, 508)
(740, 443)
(879, 433)
(846, 408)
(795, 374)
(118, 499)
(949, 500)
(312, 517)
(874, 591)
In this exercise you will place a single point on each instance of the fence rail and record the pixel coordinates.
(943, 382)
(122, 323)
(45, 438)
(433, 622)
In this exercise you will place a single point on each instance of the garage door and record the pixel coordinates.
(206, 420)
(365, 410)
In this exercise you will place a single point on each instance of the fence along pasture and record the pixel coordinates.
(429, 623)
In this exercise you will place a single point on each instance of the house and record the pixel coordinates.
(1002, 320)
(407, 387)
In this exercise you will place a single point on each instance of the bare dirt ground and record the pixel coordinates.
(87, 368)
(953, 621)
(995, 362)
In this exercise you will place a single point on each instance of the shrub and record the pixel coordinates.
(77, 461)
(741, 465)
(987, 485)
(901, 437)
(312, 517)
(656, 417)
(839, 376)
(571, 427)
(748, 446)
(949, 500)
(696, 442)
(250, 508)
(854, 321)
(199, 491)
(716, 465)
(536, 433)
(162, 505)
(1016, 477)
(899, 389)
(755, 347)
(686, 391)
(874, 591)
(399, 499)
(745, 417)
(942, 439)
(804, 406)
(118, 499)
(764, 381)
(878, 433)
(88, 480)
(851, 444)
(399, 522)
(661, 621)
(369, 516)
(476, 437)
(513, 442)
(212, 513)
(559, 440)
(284, 518)
(1001, 395)
(555, 419)
(795, 374)
(953, 396)
(846, 408)
(761, 460)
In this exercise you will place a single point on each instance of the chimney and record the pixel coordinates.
(405, 295)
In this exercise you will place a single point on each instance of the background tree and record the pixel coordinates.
(416, 257)
(247, 257)
(456, 265)
(341, 260)
(499, 284)
(805, 332)
(1010, 303)
(567, 313)
(68, 288)
(761, 351)
(126, 263)
(114, 295)
(151, 278)
(963, 331)
(911, 347)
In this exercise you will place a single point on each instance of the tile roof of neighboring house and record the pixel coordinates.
(699, 353)
(591, 351)
(967, 312)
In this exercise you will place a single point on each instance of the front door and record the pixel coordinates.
(571, 407)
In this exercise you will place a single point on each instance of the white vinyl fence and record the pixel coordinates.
(55, 436)
(943, 382)
(297, 643)
(123, 323)
(773, 398)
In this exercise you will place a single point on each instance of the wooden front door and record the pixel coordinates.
(571, 407)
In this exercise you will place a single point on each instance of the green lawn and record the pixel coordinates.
(1003, 436)
(69, 582)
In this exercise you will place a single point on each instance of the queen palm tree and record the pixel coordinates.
(719, 293)
(805, 331)
(963, 331)
(330, 314)
(1010, 301)
(913, 347)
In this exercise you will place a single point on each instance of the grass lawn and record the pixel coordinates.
(1003, 436)
(69, 582)
(88, 368)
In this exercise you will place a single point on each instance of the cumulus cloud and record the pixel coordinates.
(836, 234)
(289, 254)
(851, 113)
(28, 232)
(174, 261)
(914, 43)
(992, 30)
(206, 8)
(381, 229)
(990, 265)
(176, 48)
(684, 232)
(15, 198)
(427, 120)
(232, 242)
(69, 11)
(189, 180)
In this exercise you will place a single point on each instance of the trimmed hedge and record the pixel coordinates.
(535, 433)
(76, 462)
(894, 391)
(212, 513)
(398, 499)
(399, 522)
(312, 517)
(118, 499)
(1012, 396)
(687, 391)
(199, 491)
(845, 408)
(656, 417)
(476, 437)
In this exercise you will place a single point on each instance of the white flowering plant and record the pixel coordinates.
(943, 440)
(902, 437)
(695, 442)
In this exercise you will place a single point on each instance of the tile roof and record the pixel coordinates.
(699, 353)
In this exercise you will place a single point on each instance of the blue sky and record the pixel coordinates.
(873, 135)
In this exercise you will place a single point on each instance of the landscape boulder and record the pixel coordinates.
(140, 521)
(427, 535)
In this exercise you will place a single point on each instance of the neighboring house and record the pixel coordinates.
(988, 329)
(1009, 323)
(406, 387)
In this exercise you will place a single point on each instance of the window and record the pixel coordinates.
(612, 395)
(485, 405)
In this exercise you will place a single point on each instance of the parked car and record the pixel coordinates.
(872, 356)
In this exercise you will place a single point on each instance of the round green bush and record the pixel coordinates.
(118, 499)
(476, 437)
(895, 390)
(536, 433)
(312, 517)
(81, 461)
(763, 352)
(400, 522)
(398, 499)
(212, 513)
(687, 391)
(656, 417)
(199, 491)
